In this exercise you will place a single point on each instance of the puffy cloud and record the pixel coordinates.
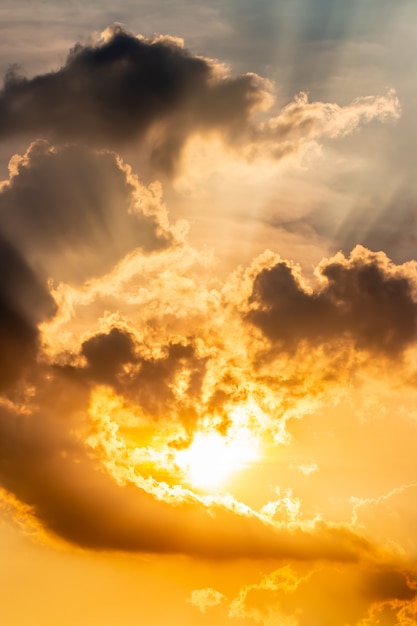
(364, 299)
(76, 473)
(310, 120)
(390, 518)
(105, 353)
(122, 88)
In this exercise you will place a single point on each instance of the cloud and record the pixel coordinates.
(169, 380)
(308, 468)
(150, 381)
(355, 594)
(48, 464)
(390, 518)
(63, 205)
(75, 471)
(24, 303)
(166, 347)
(106, 353)
(205, 598)
(121, 89)
(363, 299)
(311, 120)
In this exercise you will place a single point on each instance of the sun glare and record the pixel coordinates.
(211, 458)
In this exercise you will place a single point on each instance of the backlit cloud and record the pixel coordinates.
(48, 466)
(124, 88)
(154, 401)
(205, 598)
(61, 205)
(24, 303)
(121, 90)
(287, 594)
(364, 299)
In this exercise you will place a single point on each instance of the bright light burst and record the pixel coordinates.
(211, 458)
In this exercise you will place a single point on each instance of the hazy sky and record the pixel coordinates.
(208, 313)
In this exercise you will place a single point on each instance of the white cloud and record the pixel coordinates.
(203, 599)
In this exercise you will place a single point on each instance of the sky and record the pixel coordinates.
(208, 313)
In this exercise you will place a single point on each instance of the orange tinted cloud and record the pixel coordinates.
(125, 90)
(328, 595)
(63, 204)
(120, 345)
(49, 466)
(364, 299)
(24, 303)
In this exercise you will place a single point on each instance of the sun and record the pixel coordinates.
(212, 458)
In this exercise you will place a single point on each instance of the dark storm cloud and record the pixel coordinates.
(362, 299)
(76, 211)
(114, 93)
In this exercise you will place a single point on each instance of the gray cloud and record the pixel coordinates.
(115, 92)
(362, 300)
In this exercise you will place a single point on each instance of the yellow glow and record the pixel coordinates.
(211, 458)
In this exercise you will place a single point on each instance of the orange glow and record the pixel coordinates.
(211, 458)
(208, 314)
